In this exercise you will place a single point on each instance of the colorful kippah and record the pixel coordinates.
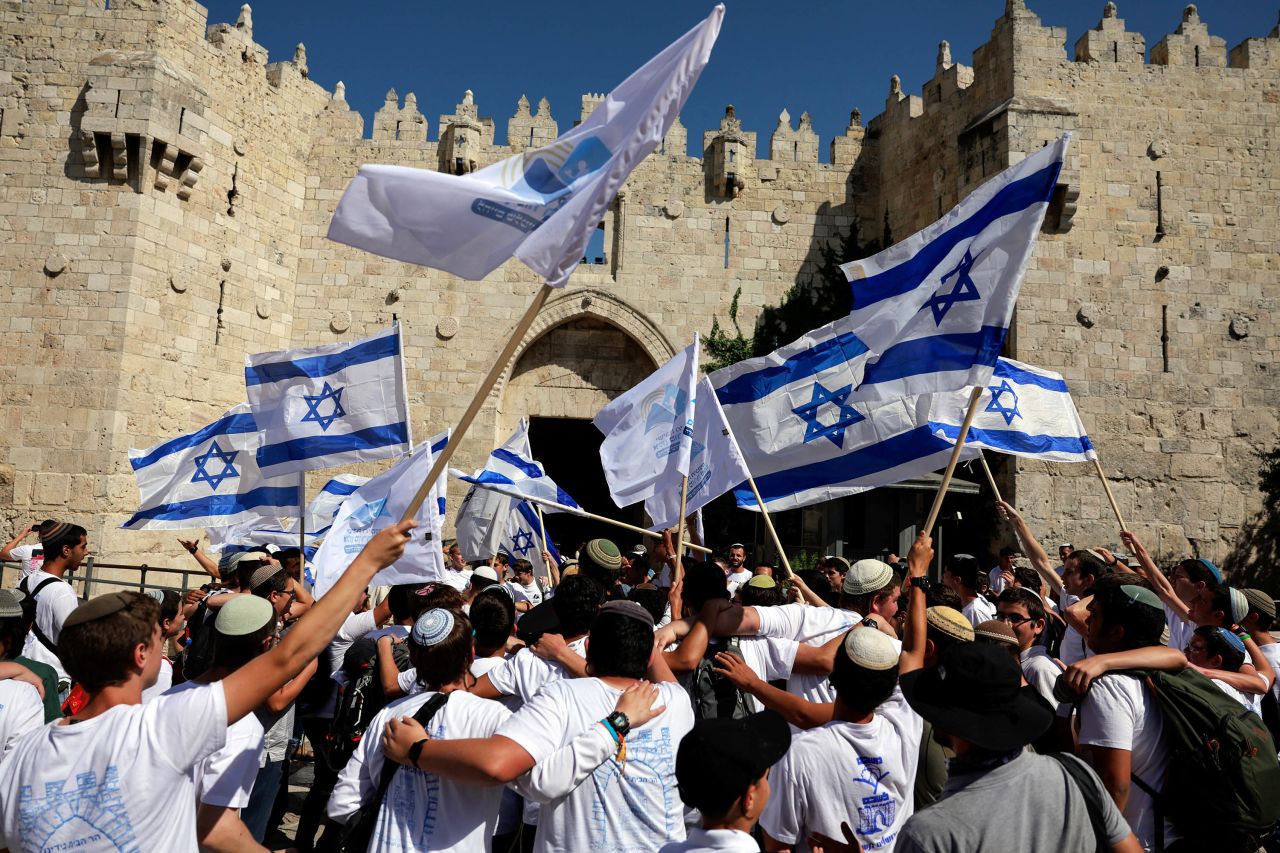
(1239, 605)
(1234, 641)
(432, 627)
(603, 553)
(951, 622)
(1213, 569)
(762, 582)
(53, 534)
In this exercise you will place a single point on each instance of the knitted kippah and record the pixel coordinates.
(1213, 569)
(628, 610)
(98, 608)
(870, 649)
(602, 553)
(1142, 595)
(1232, 640)
(10, 605)
(1260, 601)
(866, 576)
(433, 627)
(762, 582)
(951, 622)
(1239, 605)
(996, 631)
(244, 614)
(264, 573)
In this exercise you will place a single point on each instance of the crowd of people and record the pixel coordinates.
(642, 701)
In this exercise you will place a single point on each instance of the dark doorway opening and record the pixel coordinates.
(569, 450)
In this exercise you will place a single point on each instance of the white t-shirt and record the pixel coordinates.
(1042, 673)
(164, 680)
(119, 781)
(225, 777)
(53, 605)
(30, 556)
(813, 626)
(459, 580)
(979, 610)
(1119, 713)
(1252, 701)
(995, 581)
(769, 658)
(1073, 647)
(520, 592)
(21, 711)
(1271, 651)
(713, 841)
(423, 811)
(737, 580)
(632, 812)
(860, 773)
(1179, 631)
(524, 674)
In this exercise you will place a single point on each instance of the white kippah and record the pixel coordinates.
(871, 649)
(432, 627)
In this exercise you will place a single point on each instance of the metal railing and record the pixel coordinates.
(88, 579)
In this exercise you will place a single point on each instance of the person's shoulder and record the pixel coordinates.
(14, 691)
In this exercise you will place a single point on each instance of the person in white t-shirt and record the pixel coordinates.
(859, 768)
(1001, 575)
(29, 557)
(737, 575)
(21, 711)
(118, 775)
(722, 766)
(629, 801)
(65, 548)
(1023, 611)
(524, 587)
(1258, 622)
(172, 625)
(961, 573)
(1219, 649)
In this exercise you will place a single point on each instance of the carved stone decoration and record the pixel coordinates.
(55, 264)
(226, 265)
(240, 146)
(263, 308)
(1239, 328)
(781, 215)
(447, 327)
(673, 209)
(178, 283)
(1158, 148)
(340, 321)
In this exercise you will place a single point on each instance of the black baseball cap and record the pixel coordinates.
(721, 757)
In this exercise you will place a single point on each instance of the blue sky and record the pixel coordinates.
(822, 56)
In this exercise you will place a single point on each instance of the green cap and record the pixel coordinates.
(1142, 595)
(762, 582)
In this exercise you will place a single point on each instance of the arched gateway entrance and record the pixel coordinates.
(585, 348)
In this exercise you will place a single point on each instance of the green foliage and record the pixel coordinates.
(722, 348)
(1255, 556)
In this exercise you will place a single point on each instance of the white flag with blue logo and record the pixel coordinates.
(511, 469)
(648, 431)
(330, 405)
(957, 280)
(542, 205)
(323, 508)
(715, 463)
(209, 478)
(1024, 411)
(380, 503)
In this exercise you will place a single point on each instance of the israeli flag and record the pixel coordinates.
(324, 507)
(209, 478)
(960, 278)
(542, 205)
(1023, 411)
(511, 469)
(522, 539)
(715, 464)
(249, 537)
(329, 405)
(648, 432)
(379, 503)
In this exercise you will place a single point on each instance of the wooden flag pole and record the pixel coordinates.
(482, 392)
(684, 495)
(1097, 463)
(302, 518)
(768, 524)
(542, 525)
(990, 479)
(955, 457)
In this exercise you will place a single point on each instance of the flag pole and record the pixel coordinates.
(990, 479)
(1097, 463)
(684, 496)
(302, 518)
(768, 524)
(955, 457)
(482, 393)
(542, 525)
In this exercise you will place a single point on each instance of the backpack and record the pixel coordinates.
(1222, 786)
(34, 595)
(198, 654)
(713, 694)
(360, 698)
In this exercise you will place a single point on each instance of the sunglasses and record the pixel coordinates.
(1012, 618)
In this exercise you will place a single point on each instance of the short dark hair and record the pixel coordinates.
(278, 582)
(576, 601)
(1198, 572)
(965, 569)
(170, 604)
(446, 661)
(100, 652)
(437, 595)
(493, 615)
(620, 646)
(13, 632)
(755, 596)
(943, 596)
(1026, 597)
(234, 652)
(1006, 551)
(1143, 624)
(522, 566)
(651, 599)
(1091, 566)
(1216, 644)
(403, 600)
(1027, 578)
(703, 582)
(862, 689)
(246, 567)
(68, 537)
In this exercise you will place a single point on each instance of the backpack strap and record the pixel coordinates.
(34, 595)
(1092, 800)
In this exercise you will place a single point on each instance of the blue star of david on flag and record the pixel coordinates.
(964, 289)
(1008, 412)
(522, 542)
(228, 470)
(815, 429)
(314, 401)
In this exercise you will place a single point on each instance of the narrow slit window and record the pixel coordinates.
(726, 242)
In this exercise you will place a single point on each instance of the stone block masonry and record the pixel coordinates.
(165, 190)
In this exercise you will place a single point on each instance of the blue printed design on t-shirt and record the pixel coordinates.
(650, 810)
(92, 816)
(877, 810)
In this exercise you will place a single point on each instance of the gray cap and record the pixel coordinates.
(10, 604)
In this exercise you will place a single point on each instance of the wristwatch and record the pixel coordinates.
(620, 723)
(415, 752)
(922, 583)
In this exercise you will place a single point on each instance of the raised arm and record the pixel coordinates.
(797, 711)
(250, 685)
(913, 640)
(6, 553)
(1159, 582)
(388, 672)
(192, 547)
(1035, 551)
(285, 696)
(809, 595)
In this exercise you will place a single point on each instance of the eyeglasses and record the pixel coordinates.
(1192, 647)
(1012, 618)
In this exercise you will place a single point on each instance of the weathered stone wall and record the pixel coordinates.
(165, 192)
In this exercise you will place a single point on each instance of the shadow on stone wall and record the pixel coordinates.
(1254, 559)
